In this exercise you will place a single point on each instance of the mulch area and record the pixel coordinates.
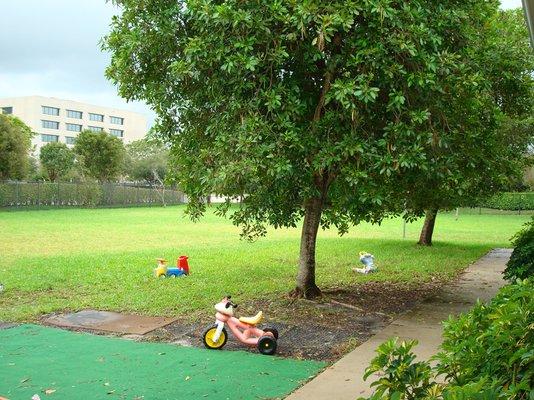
(325, 329)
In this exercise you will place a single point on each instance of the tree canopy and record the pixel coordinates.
(314, 109)
(15, 145)
(56, 159)
(466, 169)
(146, 160)
(101, 156)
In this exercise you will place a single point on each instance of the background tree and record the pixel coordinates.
(466, 171)
(35, 172)
(56, 159)
(15, 145)
(146, 160)
(22, 126)
(304, 109)
(101, 156)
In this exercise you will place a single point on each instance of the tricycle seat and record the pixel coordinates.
(252, 320)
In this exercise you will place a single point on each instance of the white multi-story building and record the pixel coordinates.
(57, 120)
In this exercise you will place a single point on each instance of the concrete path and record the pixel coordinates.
(343, 380)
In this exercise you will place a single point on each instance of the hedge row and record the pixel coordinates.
(511, 201)
(35, 194)
(521, 263)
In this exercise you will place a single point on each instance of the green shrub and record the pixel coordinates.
(495, 341)
(487, 353)
(521, 263)
(511, 201)
(402, 377)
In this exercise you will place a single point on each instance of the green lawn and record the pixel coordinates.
(103, 259)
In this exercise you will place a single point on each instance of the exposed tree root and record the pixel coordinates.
(310, 292)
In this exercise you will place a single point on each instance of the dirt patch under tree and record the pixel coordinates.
(320, 330)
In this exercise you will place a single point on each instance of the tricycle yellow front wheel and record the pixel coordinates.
(209, 336)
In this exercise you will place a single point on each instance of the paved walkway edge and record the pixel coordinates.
(343, 380)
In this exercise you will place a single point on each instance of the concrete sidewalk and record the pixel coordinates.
(343, 380)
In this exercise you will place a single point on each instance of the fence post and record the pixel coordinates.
(38, 194)
(58, 195)
(404, 228)
(105, 190)
(17, 191)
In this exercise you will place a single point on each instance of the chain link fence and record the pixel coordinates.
(14, 194)
(489, 211)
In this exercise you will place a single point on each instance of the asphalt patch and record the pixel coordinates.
(108, 322)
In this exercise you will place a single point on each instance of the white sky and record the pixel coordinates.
(510, 3)
(50, 48)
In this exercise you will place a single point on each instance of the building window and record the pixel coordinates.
(50, 124)
(49, 138)
(116, 132)
(74, 114)
(74, 127)
(116, 120)
(95, 128)
(50, 110)
(70, 140)
(96, 117)
(7, 110)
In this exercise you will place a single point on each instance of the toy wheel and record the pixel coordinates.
(173, 276)
(208, 336)
(162, 276)
(272, 330)
(267, 345)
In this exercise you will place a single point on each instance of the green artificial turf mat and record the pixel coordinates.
(83, 366)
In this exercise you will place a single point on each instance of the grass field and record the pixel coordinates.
(104, 258)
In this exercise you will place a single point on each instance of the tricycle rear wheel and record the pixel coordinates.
(272, 330)
(267, 345)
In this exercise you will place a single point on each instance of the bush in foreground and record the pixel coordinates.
(521, 263)
(488, 353)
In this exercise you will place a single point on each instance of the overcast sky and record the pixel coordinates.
(50, 48)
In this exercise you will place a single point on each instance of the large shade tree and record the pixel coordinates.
(305, 109)
(466, 169)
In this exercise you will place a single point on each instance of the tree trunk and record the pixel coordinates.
(306, 286)
(425, 239)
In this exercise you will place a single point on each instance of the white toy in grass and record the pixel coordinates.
(368, 260)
